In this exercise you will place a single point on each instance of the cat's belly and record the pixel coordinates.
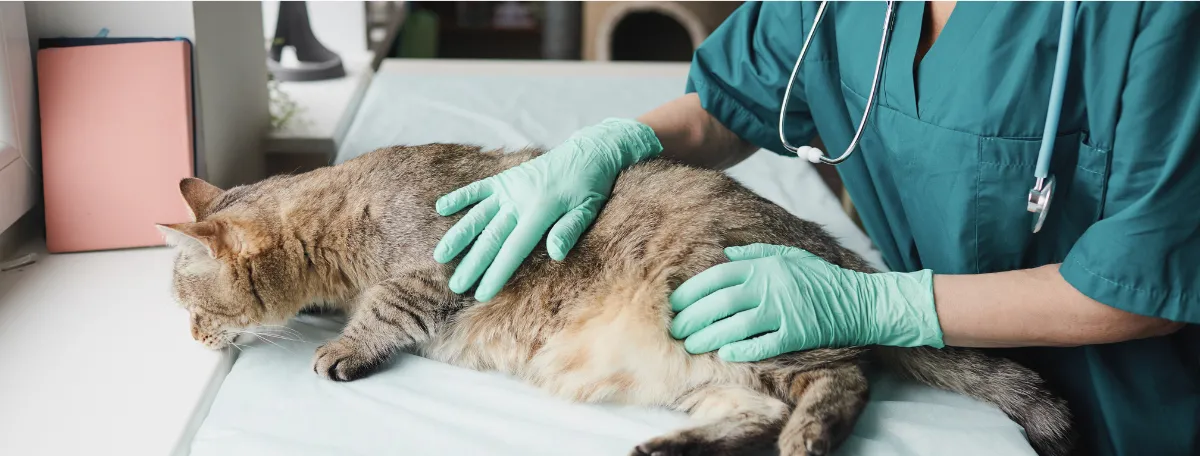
(616, 350)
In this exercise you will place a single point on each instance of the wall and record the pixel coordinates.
(229, 68)
(123, 19)
(18, 162)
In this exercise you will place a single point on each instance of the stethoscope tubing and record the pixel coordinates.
(862, 124)
(1066, 38)
(1040, 196)
(1053, 109)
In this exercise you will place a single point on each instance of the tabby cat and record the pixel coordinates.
(359, 237)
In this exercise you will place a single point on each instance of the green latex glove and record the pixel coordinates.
(561, 191)
(798, 301)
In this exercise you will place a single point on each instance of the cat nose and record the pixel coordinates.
(195, 333)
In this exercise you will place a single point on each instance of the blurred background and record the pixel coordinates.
(366, 33)
(276, 93)
(271, 98)
(640, 31)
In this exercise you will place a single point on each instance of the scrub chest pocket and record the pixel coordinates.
(966, 191)
(1005, 169)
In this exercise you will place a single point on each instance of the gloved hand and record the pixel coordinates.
(565, 187)
(800, 302)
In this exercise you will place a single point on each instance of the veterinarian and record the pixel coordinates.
(1103, 300)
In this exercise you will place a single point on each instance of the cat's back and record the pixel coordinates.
(659, 211)
(693, 205)
(665, 211)
(430, 168)
(394, 190)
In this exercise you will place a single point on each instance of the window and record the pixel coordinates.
(17, 172)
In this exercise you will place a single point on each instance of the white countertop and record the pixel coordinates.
(97, 358)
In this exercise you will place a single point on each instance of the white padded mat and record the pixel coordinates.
(272, 403)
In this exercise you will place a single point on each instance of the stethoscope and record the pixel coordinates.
(1038, 201)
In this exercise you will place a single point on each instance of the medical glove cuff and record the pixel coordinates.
(621, 141)
(907, 314)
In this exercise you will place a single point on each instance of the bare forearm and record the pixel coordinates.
(1032, 307)
(690, 135)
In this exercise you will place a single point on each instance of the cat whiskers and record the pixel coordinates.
(279, 337)
(264, 339)
(278, 332)
(261, 337)
(293, 335)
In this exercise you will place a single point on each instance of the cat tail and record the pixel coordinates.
(1016, 390)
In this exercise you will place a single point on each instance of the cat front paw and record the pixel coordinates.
(343, 362)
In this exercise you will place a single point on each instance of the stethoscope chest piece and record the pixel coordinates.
(1039, 201)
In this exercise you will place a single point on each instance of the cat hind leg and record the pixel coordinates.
(737, 420)
(828, 402)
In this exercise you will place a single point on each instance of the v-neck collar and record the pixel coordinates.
(936, 71)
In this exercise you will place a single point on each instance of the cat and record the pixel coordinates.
(359, 237)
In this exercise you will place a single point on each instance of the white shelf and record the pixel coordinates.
(326, 109)
(98, 357)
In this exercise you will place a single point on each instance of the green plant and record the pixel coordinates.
(282, 107)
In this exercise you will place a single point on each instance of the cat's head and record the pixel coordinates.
(235, 270)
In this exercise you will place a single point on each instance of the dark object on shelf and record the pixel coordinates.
(293, 29)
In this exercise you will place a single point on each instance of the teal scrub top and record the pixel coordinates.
(943, 169)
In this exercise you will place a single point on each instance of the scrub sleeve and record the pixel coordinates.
(741, 72)
(1143, 256)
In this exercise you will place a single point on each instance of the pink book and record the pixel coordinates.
(116, 122)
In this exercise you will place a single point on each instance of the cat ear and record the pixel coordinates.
(199, 195)
(212, 235)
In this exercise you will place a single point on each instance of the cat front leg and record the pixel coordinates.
(390, 316)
